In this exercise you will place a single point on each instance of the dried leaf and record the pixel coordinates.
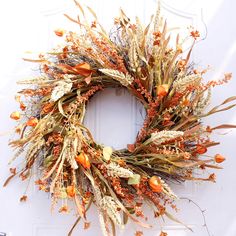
(8, 180)
(171, 217)
(107, 151)
(135, 179)
(224, 126)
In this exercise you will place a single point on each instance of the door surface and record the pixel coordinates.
(28, 25)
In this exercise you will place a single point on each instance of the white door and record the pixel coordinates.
(28, 25)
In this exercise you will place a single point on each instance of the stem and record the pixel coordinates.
(202, 212)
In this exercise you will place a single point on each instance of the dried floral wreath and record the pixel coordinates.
(171, 145)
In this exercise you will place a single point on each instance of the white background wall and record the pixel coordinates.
(28, 25)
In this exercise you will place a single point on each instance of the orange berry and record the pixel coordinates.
(155, 184)
(83, 159)
(32, 122)
(15, 115)
(219, 158)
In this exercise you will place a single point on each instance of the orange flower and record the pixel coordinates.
(155, 184)
(59, 32)
(83, 159)
(15, 115)
(162, 90)
(70, 191)
(219, 158)
(32, 122)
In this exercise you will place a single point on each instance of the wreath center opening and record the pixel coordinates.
(114, 117)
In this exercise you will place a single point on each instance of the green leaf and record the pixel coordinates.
(134, 180)
(47, 161)
(107, 151)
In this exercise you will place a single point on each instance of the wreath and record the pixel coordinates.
(170, 146)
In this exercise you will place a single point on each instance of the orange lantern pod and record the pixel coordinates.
(219, 158)
(162, 90)
(70, 190)
(15, 115)
(32, 122)
(83, 159)
(59, 32)
(154, 183)
(201, 149)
